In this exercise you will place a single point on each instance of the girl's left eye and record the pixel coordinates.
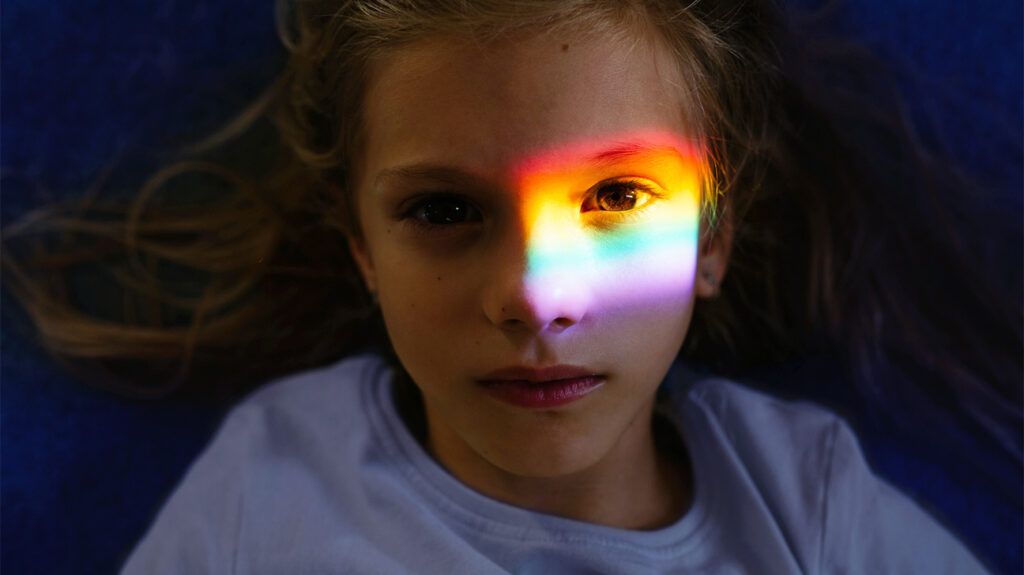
(619, 196)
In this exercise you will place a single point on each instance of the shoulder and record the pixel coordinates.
(311, 418)
(323, 402)
(794, 440)
(331, 386)
(754, 412)
(286, 437)
(808, 466)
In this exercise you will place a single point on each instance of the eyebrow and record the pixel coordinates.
(626, 151)
(451, 175)
(427, 171)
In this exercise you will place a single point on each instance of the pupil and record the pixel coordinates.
(617, 199)
(445, 212)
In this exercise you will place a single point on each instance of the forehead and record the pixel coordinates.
(490, 107)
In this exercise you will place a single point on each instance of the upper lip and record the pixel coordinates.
(538, 374)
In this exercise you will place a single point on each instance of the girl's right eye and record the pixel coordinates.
(442, 211)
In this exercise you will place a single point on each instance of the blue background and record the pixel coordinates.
(88, 85)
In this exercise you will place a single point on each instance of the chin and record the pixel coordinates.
(547, 459)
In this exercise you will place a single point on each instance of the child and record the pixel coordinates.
(543, 201)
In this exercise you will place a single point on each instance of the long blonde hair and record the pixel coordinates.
(257, 280)
(277, 286)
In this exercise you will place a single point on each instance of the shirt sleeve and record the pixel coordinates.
(870, 527)
(196, 531)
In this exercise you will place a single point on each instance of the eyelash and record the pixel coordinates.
(419, 202)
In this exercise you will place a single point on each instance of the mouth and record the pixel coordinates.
(538, 374)
(543, 395)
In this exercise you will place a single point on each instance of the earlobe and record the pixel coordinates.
(713, 258)
(361, 255)
(707, 283)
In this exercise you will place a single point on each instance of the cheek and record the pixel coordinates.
(421, 299)
(652, 269)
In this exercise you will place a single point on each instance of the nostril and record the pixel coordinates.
(560, 325)
(563, 322)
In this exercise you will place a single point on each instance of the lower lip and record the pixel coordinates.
(546, 394)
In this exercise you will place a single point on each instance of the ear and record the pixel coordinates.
(713, 254)
(361, 255)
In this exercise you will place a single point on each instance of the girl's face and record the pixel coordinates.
(531, 204)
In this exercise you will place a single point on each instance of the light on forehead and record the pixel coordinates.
(609, 151)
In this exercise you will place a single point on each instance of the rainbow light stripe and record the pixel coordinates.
(656, 249)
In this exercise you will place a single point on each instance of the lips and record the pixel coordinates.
(543, 395)
(537, 375)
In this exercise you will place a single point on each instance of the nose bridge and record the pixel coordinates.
(554, 243)
(541, 277)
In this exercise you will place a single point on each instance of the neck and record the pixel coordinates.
(642, 484)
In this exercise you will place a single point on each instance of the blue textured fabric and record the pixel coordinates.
(317, 473)
(85, 83)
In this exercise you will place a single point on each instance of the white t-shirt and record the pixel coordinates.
(317, 473)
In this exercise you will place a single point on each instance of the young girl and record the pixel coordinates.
(543, 202)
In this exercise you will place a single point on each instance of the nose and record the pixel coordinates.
(538, 284)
